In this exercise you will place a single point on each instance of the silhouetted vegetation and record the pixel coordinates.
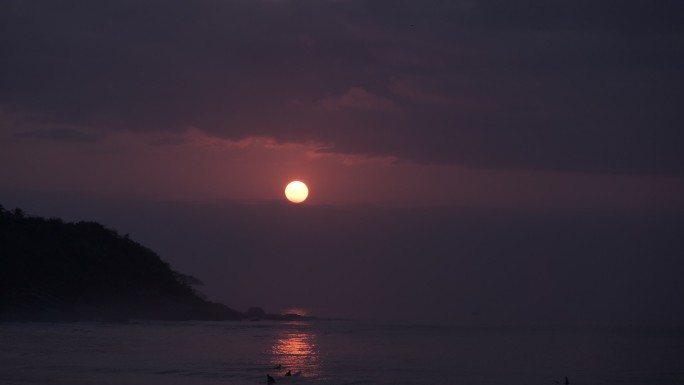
(51, 269)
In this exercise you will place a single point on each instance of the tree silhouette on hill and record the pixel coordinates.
(51, 269)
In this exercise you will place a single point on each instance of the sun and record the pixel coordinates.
(296, 192)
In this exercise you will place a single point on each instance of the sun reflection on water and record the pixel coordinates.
(297, 350)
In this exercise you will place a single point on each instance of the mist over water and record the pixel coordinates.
(334, 352)
(418, 265)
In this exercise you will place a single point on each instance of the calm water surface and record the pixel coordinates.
(328, 352)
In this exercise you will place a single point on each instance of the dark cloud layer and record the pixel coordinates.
(60, 134)
(590, 86)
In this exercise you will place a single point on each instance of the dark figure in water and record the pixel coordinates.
(289, 373)
(269, 379)
(279, 366)
(566, 382)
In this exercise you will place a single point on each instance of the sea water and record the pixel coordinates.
(334, 352)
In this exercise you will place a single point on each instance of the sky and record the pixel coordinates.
(467, 161)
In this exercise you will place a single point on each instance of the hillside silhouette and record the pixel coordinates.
(55, 270)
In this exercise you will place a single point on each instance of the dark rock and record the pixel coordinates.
(255, 312)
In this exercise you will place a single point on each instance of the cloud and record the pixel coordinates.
(197, 166)
(568, 86)
(357, 98)
(61, 135)
(408, 91)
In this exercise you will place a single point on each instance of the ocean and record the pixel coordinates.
(334, 352)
